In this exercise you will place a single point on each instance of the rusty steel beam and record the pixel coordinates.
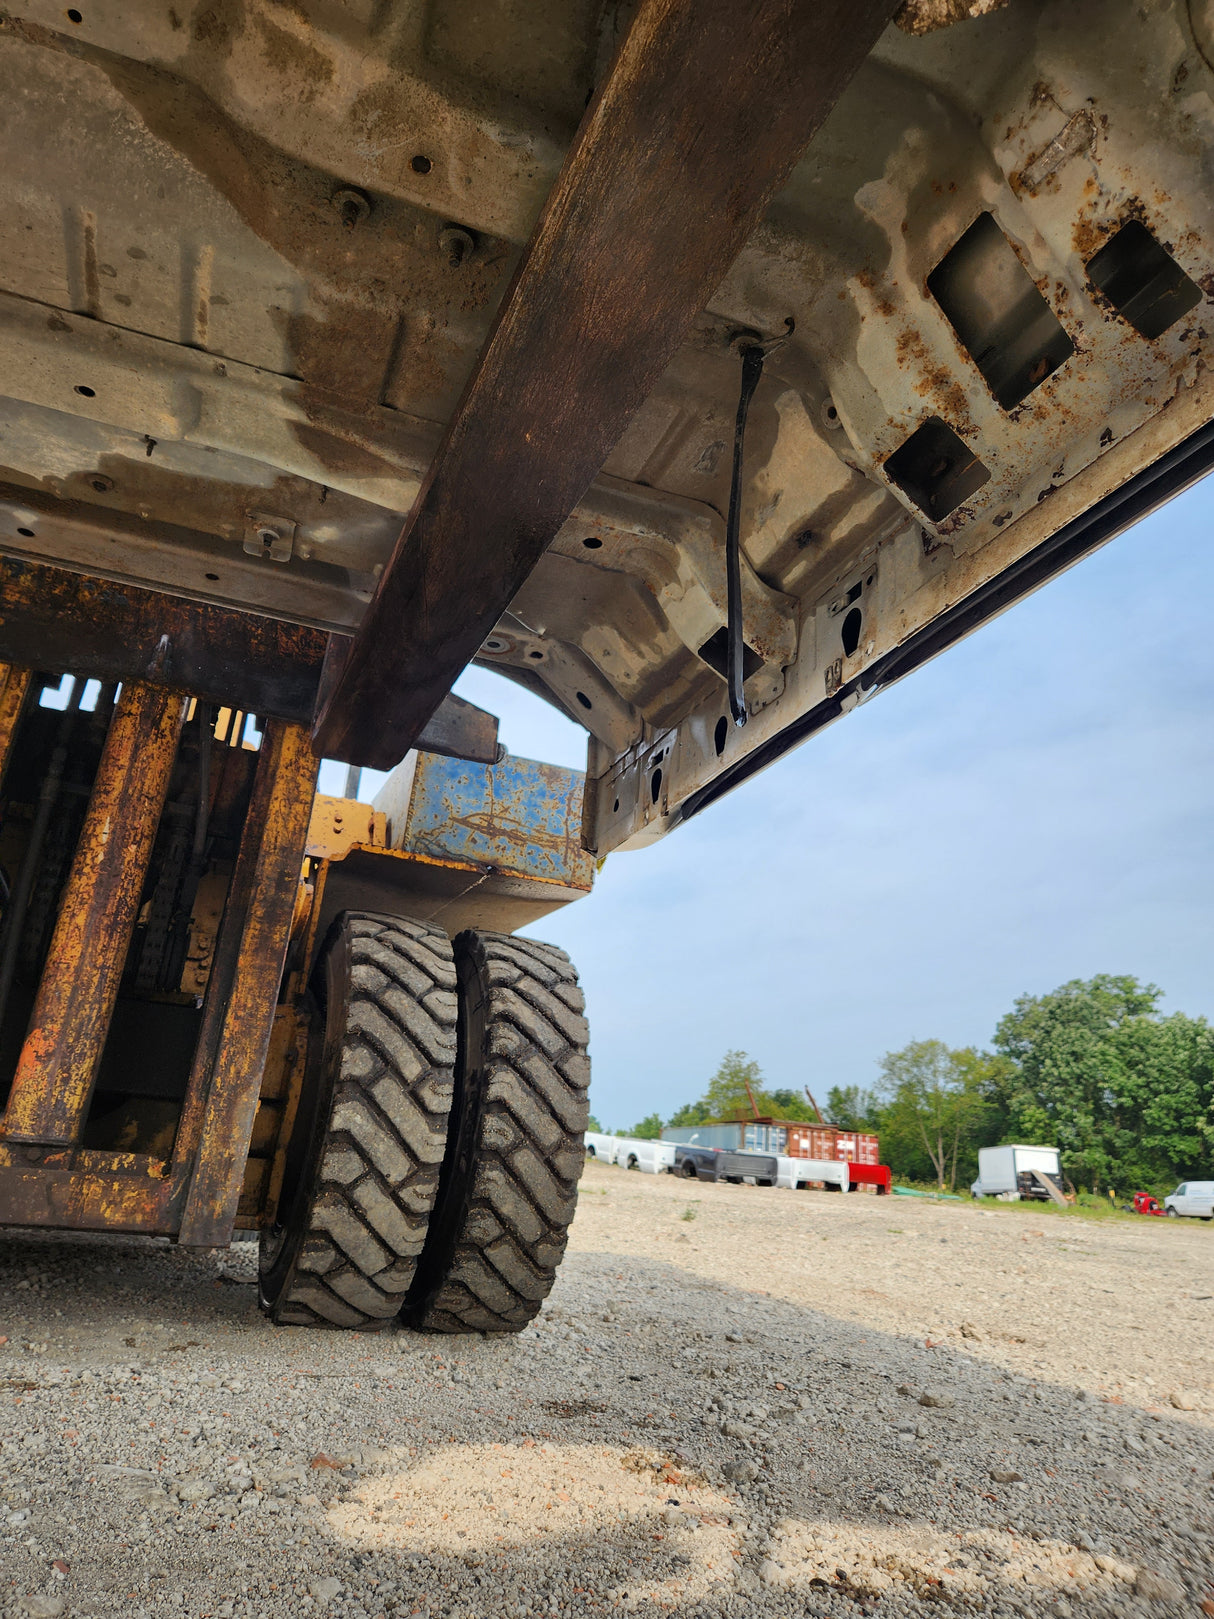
(14, 685)
(87, 1191)
(51, 618)
(694, 130)
(460, 730)
(242, 994)
(59, 1060)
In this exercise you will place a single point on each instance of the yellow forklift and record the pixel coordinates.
(228, 1003)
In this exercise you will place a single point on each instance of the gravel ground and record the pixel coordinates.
(736, 1401)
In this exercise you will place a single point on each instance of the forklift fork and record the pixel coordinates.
(47, 1177)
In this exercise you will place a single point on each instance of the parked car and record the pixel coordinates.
(603, 1147)
(1193, 1198)
(650, 1157)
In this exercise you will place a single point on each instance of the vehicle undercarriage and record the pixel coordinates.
(701, 370)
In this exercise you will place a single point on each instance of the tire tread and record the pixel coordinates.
(529, 1156)
(378, 1168)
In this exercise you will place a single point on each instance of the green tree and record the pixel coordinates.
(1124, 1093)
(1172, 1097)
(786, 1104)
(593, 1124)
(691, 1113)
(649, 1129)
(852, 1108)
(726, 1096)
(935, 1110)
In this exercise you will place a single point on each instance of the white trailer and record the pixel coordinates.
(1012, 1172)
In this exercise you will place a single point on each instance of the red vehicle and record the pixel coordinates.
(1144, 1203)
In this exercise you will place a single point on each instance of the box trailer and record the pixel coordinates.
(1019, 1172)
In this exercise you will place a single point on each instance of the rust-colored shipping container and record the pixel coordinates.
(825, 1141)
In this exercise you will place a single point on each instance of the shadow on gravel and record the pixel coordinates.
(655, 1441)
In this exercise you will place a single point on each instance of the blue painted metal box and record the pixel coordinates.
(519, 817)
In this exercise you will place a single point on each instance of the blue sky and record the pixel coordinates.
(1036, 805)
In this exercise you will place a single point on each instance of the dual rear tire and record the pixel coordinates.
(433, 1167)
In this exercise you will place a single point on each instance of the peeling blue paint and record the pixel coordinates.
(519, 817)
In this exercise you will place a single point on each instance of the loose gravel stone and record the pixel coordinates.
(1154, 1587)
(663, 1440)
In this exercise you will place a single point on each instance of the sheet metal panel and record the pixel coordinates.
(518, 818)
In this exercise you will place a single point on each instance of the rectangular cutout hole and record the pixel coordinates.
(715, 653)
(1012, 334)
(936, 468)
(1142, 280)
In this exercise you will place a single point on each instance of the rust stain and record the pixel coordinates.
(88, 1191)
(59, 1060)
(238, 1017)
(1091, 233)
(14, 686)
(936, 384)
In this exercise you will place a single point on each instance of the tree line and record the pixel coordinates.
(1093, 1068)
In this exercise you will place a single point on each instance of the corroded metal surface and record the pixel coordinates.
(248, 356)
(238, 1018)
(455, 894)
(59, 1060)
(460, 844)
(281, 1087)
(460, 730)
(89, 1191)
(925, 16)
(14, 685)
(518, 818)
(692, 131)
(53, 619)
(338, 824)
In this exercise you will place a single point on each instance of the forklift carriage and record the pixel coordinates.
(228, 1003)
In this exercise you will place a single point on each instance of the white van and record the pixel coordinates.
(1194, 1198)
(650, 1157)
(603, 1148)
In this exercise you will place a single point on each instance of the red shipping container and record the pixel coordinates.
(824, 1141)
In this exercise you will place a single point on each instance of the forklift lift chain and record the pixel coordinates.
(371, 1129)
(515, 1153)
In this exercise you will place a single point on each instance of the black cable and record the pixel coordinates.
(752, 370)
